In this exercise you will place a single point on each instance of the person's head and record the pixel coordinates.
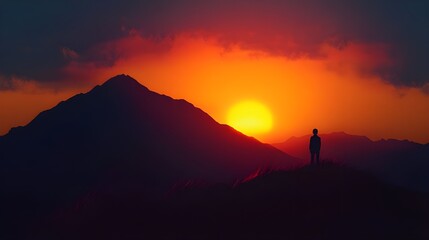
(315, 131)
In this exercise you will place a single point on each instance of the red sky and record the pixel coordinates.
(334, 66)
(330, 93)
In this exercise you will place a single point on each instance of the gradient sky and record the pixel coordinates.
(356, 66)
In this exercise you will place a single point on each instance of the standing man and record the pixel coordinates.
(315, 144)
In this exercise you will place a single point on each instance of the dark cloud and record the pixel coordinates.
(35, 34)
(38, 38)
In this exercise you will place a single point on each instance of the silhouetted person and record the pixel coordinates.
(315, 144)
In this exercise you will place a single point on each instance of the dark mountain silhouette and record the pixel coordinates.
(327, 201)
(400, 162)
(120, 137)
(123, 162)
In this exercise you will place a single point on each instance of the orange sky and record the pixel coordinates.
(331, 92)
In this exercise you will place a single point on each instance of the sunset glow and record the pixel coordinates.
(328, 93)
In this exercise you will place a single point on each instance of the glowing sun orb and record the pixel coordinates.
(250, 117)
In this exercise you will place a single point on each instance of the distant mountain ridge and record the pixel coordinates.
(401, 162)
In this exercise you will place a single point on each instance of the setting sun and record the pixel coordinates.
(250, 117)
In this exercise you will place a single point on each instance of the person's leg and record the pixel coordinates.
(312, 158)
(317, 157)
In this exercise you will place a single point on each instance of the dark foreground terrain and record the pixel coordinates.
(323, 202)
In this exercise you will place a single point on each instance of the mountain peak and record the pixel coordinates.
(122, 81)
